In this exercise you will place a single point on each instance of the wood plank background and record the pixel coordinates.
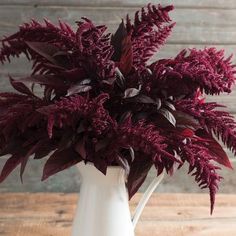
(199, 24)
(218, 4)
(165, 214)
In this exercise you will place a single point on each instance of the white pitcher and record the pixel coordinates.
(103, 208)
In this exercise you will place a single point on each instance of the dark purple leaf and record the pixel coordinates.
(109, 81)
(137, 175)
(26, 158)
(48, 93)
(20, 87)
(184, 120)
(131, 92)
(158, 103)
(49, 80)
(78, 89)
(120, 80)
(80, 148)
(45, 50)
(141, 115)
(74, 75)
(100, 164)
(218, 151)
(126, 115)
(170, 105)
(81, 128)
(126, 61)
(53, 66)
(117, 39)
(59, 161)
(10, 165)
(85, 82)
(101, 144)
(45, 147)
(10, 147)
(141, 98)
(60, 53)
(215, 148)
(144, 99)
(168, 115)
(66, 140)
(20, 156)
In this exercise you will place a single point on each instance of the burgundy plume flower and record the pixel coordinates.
(102, 101)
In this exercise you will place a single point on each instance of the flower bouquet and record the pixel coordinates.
(96, 97)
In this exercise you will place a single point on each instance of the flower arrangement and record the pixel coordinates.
(102, 101)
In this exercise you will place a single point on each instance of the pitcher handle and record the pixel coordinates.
(143, 201)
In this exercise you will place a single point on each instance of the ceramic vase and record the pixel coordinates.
(103, 208)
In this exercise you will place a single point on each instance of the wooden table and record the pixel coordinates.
(44, 214)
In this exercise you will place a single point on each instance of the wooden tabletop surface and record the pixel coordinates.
(43, 214)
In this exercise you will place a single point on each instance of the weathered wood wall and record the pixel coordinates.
(199, 24)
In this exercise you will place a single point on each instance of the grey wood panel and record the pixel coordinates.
(194, 26)
(228, 100)
(226, 4)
